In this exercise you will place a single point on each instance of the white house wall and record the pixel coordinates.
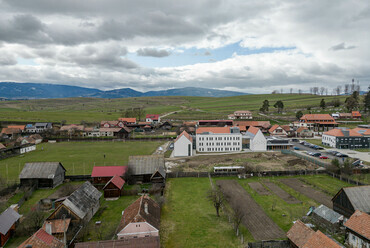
(329, 140)
(229, 142)
(180, 148)
(259, 142)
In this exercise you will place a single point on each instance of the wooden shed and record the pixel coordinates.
(350, 199)
(114, 187)
(8, 219)
(147, 168)
(42, 174)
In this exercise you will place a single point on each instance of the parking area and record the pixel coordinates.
(324, 152)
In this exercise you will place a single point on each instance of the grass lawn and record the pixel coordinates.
(109, 214)
(188, 219)
(365, 178)
(326, 183)
(78, 157)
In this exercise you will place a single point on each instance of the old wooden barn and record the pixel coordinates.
(350, 199)
(42, 174)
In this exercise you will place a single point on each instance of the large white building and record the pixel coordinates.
(257, 141)
(218, 139)
(183, 145)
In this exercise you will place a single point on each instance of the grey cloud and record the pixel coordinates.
(7, 59)
(152, 52)
(341, 46)
(207, 53)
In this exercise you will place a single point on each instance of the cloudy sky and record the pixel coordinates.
(248, 45)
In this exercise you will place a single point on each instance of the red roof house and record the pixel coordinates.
(128, 120)
(103, 174)
(356, 115)
(114, 187)
(152, 118)
(42, 239)
(359, 227)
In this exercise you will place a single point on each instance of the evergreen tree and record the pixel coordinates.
(351, 103)
(322, 104)
(299, 114)
(367, 101)
(279, 105)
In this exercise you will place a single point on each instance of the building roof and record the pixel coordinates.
(45, 170)
(58, 225)
(363, 131)
(238, 112)
(189, 123)
(110, 129)
(7, 220)
(114, 123)
(36, 136)
(42, 239)
(213, 130)
(300, 129)
(320, 240)
(356, 114)
(7, 130)
(83, 199)
(317, 117)
(359, 196)
(146, 242)
(273, 128)
(117, 181)
(21, 127)
(286, 128)
(130, 120)
(72, 127)
(184, 133)
(339, 133)
(345, 115)
(328, 214)
(359, 222)
(253, 130)
(136, 213)
(108, 171)
(153, 117)
(146, 164)
(264, 124)
(2, 146)
(299, 233)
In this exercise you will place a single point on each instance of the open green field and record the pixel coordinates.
(188, 219)
(78, 157)
(75, 110)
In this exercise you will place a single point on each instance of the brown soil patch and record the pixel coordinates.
(255, 219)
(258, 187)
(281, 193)
(308, 191)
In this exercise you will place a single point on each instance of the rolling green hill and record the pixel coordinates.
(75, 110)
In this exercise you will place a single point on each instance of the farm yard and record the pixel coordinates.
(187, 214)
(78, 157)
(267, 161)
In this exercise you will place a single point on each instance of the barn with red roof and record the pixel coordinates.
(101, 175)
(114, 187)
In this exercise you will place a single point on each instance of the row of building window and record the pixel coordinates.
(219, 149)
(220, 144)
(219, 138)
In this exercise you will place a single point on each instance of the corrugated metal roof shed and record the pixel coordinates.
(40, 170)
(7, 219)
(148, 164)
(359, 197)
(328, 214)
(81, 201)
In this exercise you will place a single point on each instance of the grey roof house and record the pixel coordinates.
(148, 168)
(350, 199)
(42, 174)
(327, 217)
(8, 218)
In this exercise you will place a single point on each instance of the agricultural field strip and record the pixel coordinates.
(281, 193)
(308, 191)
(259, 188)
(255, 219)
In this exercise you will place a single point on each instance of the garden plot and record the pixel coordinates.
(281, 193)
(308, 191)
(255, 219)
(259, 188)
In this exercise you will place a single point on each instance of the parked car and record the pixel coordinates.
(295, 140)
(310, 153)
(316, 154)
(302, 142)
(341, 155)
(171, 146)
(332, 152)
(323, 157)
(296, 148)
(312, 146)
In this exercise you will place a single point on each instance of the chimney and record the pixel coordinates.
(146, 208)
(48, 227)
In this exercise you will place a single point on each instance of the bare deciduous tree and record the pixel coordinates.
(237, 217)
(216, 196)
(346, 89)
(322, 90)
(300, 91)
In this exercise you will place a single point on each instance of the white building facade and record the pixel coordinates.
(218, 139)
(183, 145)
(258, 142)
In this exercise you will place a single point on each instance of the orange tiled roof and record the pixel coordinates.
(356, 113)
(264, 124)
(213, 130)
(130, 120)
(42, 239)
(315, 117)
(300, 129)
(184, 133)
(253, 130)
(299, 233)
(338, 133)
(21, 127)
(359, 222)
(273, 128)
(58, 225)
(320, 240)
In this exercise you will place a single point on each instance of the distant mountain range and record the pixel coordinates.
(14, 91)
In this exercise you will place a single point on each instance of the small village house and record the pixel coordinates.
(350, 199)
(257, 141)
(127, 120)
(147, 168)
(80, 207)
(57, 227)
(188, 126)
(21, 127)
(114, 187)
(118, 132)
(72, 130)
(183, 145)
(112, 124)
(264, 126)
(166, 125)
(42, 174)
(277, 130)
(91, 132)
(327, 218)
(304, 132)
(8, 220)
(358, 230)
(11, 133)
(152, 118)
(240, 115)
(140, 219)
(102, 174)
(301, 236)
(356, 115)
(317, 122)
(41, 239)
(39, 127)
